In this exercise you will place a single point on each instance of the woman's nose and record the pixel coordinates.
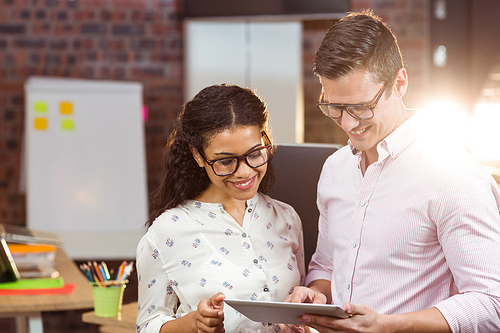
(243, 169)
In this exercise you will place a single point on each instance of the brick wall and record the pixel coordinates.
(141, 40)
(409, 20)
(137, 40)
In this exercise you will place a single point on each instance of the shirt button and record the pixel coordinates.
(266, 289)
(255, 261)
(243, 235)
(249, 210)
(348, 286)
(362, 203)
(353, 245)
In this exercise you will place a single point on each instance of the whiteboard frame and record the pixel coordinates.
(87, 184)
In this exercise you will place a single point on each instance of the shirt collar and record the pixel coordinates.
(354, 151)
(402, 137)
(251, 203)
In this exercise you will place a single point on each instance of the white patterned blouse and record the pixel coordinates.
(195, 250)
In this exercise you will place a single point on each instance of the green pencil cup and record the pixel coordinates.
(108, 298)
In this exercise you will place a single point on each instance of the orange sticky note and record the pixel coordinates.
(40, 124)
(66, 108)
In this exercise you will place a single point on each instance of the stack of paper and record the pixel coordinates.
(34, 260)
(27, 262)
(19, 234)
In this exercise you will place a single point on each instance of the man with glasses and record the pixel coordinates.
(409, 229)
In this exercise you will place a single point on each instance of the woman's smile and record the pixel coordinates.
(244, 184)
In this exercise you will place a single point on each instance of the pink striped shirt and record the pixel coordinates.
(420, 228)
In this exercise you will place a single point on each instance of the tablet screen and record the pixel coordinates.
(8, 269)
(283, 312)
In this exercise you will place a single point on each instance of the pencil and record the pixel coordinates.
(92, 271)
(127, 270)
(103, 274)
(120, 270)
(106, 271)
(98, 272)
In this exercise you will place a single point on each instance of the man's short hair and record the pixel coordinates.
(359, 41)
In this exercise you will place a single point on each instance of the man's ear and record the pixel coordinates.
(197, 156)
(401, 83)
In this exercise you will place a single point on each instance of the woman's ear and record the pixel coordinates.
(401, 83)
(197, 156)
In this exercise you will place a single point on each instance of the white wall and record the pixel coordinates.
(264, 56)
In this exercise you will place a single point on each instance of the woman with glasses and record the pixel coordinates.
(213, 233)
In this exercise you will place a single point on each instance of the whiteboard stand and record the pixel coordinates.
(85, 164)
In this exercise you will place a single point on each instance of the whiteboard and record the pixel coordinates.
(85, 164)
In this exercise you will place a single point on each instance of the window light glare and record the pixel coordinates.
(440, 56)
(485, 131)
(447, 122)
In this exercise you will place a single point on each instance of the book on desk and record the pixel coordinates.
(27, 262)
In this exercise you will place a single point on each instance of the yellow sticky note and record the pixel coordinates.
(41, 106)
(66, 108)
(67, 124)
(40, 124)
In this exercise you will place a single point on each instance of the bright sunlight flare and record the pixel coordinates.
(485, 131)
(447, 122)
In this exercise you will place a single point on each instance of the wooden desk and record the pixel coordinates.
(124, 323)
(28, 308)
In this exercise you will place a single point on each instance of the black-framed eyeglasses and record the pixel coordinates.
(254, 158)
(358, 111)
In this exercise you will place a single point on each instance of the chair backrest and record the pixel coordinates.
(297, 168)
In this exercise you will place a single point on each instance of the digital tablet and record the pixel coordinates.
(8, 269)
(283, 312)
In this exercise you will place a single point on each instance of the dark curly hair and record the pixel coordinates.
(359, 40)
(213, 110)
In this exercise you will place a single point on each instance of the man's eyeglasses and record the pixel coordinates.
(254, 158)
(358, 111)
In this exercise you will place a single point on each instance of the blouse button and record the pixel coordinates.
(353, 245)
(255, 261)
(243, 235)
(249, 210)
(266, 289)
(362, 203)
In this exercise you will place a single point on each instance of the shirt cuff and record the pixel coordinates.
(317, 275)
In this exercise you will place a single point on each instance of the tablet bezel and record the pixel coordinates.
(283, 312)
(8, 268)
